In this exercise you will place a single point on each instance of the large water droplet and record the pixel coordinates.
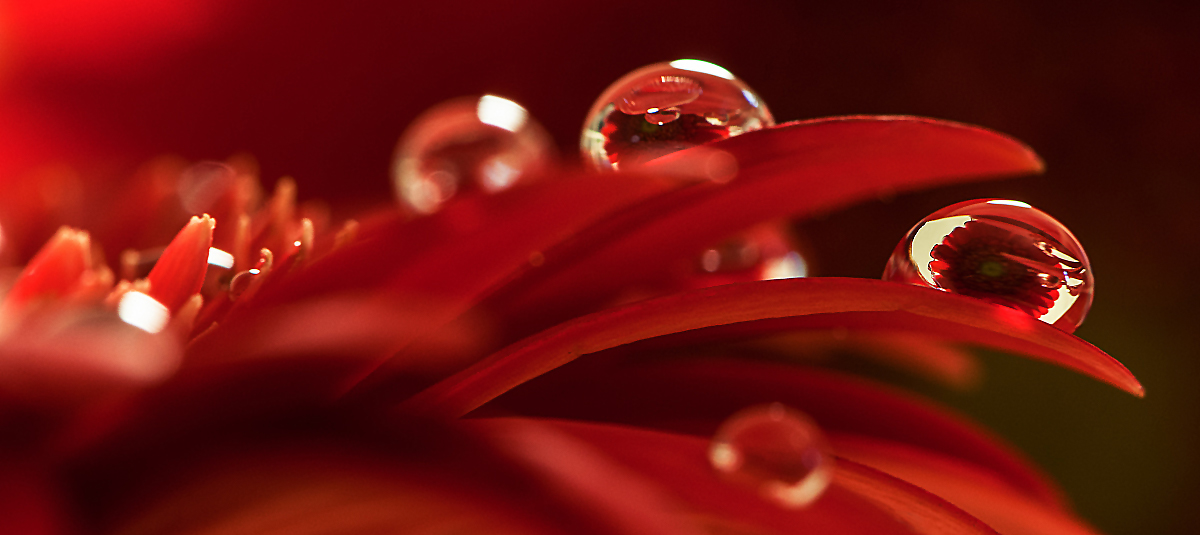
(775, 449)
(466, 146)
(1001, 251)
(666, 107)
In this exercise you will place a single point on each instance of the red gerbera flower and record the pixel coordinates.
(272, 370)
(992, 263)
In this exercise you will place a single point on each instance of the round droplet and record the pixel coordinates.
(763, 252)
(777, 450)
(467, 146)
(1001, 251)
(666, 107)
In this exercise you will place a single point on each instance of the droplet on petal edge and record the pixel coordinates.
(1002, 251)
(666, 107)
(775, 449)
(466, 146)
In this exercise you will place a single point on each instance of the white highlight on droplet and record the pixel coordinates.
(143, 312)
(705, 67)
(220, 258)
(789, 266)
(929, 236)
(501, 113)
(1018, 204)
(497, 175)
(750, 98)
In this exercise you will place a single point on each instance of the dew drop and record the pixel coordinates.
(1004, 252)
(467, 146)
(666, 107)
(764, 252)
(775, 449)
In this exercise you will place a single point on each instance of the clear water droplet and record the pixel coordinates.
(659, 117)
(707, 103)
(763, 252)
(467, 146)
(1005, 252)
(775, 449)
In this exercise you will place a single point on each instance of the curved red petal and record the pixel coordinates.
(981, 494)
(791, 170)
(825, 302)
(859, 500)
(694, 396)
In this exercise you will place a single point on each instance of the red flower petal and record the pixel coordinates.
(820, 302)
(440, 265)
(860, 500)
(56, 270)
(979, 493)
(792, 170)
(179, 272)
(695, 397)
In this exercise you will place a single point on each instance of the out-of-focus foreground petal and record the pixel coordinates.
(977, 492)
(691, 396)
(828, 302)
(860, 500)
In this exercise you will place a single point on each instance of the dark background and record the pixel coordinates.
(1106, 92)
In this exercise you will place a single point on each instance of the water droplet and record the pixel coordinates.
(666, 107)
(1005, 252)
(763, 252)
(775, 449)
(467, 146)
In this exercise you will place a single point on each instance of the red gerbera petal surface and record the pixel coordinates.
(873, 304)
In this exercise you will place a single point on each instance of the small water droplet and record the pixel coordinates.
(659, 117)
(467, 146)
(1005, 252)
(705, 103)
(775, 449)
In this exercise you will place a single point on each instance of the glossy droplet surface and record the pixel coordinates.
(775, 449)
(467, 146)
(763, 252)
(666, 107)
(1001, 251)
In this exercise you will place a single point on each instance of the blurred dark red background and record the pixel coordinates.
(1106, 92)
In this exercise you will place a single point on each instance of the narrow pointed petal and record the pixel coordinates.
(56, 270)
(179, 272)
(692, 396)
(789, 171)
(977, 492)
(860, 500)
(828, 302)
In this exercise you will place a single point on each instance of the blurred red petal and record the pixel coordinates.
(860, 500)
(980, 493)
(695, 396)
(440, 265)
(792, 170)
(575, 470)
(56, 270)
(179, 272)
(29, 502)
(830, 302)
